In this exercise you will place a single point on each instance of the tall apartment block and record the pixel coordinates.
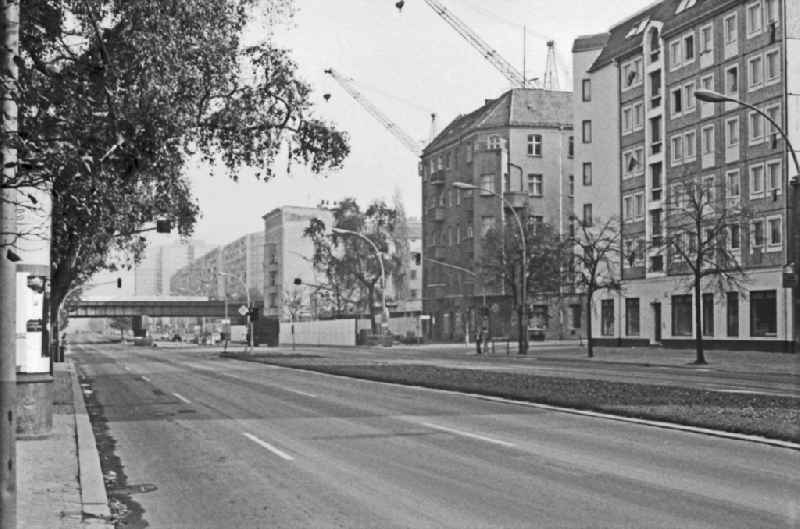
(153, 275)
(520, 145)
(643, 136)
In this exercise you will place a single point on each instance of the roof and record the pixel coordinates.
(621, 41)
(590, 42)
(532, 107)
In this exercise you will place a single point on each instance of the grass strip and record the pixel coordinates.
(764, 415)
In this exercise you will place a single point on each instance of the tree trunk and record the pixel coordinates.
(522, 328)
(371, 300)
(589, 344)
(698, 322)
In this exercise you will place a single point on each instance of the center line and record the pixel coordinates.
(145, 378)
(181, 397)
(467, 434)
(264, 444)
(300, 392)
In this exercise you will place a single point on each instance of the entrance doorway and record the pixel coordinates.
(657, 322)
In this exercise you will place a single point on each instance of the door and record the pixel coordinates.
(657, 322)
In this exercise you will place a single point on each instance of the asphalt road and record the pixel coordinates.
(210, 443)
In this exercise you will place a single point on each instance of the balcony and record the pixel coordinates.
(516, 199)
(438, 214)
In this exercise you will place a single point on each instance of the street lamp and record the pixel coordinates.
(384, 315)
(793, 242)
(523, 343)
(250, 308)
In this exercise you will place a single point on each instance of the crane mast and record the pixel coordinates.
(410, 143)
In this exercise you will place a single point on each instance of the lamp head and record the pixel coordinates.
(464, 185)
(710, 96)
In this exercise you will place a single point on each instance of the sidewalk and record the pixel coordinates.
(59, 481)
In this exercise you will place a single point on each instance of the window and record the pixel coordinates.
(487, 224)
(771, 10)
(534, 144)
(732, 132)
(535, 185)
(494, 142)
(632, 316)
(469, 234)
(607, 317)
(273, 279)
(657, 264)
(571, 185)
(587, 131)
(587, 173)
(677, 102)
(775, 231)
(756, 181)
(414, 294)
(763, 313)
(632, 162)
(731, 29)
(627, 207)
(754, 20)
(682, 315)
(774, 177)
(587, 215)
(774, 112)
(688, 97)
(450, 198)
(638, 116)
(755, 72)
(707, 140)
(638, 209)
(732, 187)
(506, 183)
(707, 39)
(468, 153)
(586, 89)
(412, 274)
(627, 120)
(735, 237)
(539, 317)
(708, 195)
(676, 145)
(576, 312)
(273, 300)
(689, 146)
(732, 313)
(632, 73)
(708, 314)
(571, 147)
(685, 4)
(439, 163)
(458, 197)
(448, 160)
(688, 48)
(675, 55)
(757, 235)
(707, 83)
(732, 80)
(487, 184)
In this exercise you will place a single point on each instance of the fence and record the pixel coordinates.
(339, 332)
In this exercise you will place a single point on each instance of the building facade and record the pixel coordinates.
(153, 275)
(519, 145)
(669, 141)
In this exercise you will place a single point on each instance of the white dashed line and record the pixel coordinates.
(182, 398)
(300, 392)
(467, 434)
(264, 444)
(145, 378)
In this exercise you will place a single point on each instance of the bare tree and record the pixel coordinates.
(703, 240)
(597, 247)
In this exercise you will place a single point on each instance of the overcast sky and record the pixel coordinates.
(407, 63)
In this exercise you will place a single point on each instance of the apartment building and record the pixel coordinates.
(668, 141)
(520, 145)
(153, 275)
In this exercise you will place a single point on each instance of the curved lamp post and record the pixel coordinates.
(793, 241)
(384, 315)
(247, 293)
(523, 345)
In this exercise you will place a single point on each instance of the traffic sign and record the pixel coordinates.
(243, 310)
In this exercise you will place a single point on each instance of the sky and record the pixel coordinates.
(408, 63)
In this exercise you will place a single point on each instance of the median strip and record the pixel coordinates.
(278, 452)
(467, 434)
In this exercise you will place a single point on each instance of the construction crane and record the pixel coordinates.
(410, 143)
(490, 54)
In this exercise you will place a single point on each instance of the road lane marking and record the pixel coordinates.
(300, 392)
(467, 434)
(278, 452)
(182, 398)
(145, 378)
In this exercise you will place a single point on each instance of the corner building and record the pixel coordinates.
(658, 58)
(520, 145)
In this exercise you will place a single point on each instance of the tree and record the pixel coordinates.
(597, 247)
(348, 261)
(117, 96)
(703, 240)
(501, 265)
(121, 324)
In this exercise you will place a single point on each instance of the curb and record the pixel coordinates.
(572, 411)
(94, 501)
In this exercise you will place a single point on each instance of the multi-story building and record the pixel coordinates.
(153, 275)
(520, 145)
(200, 277)
(650, 66)
(287, 256)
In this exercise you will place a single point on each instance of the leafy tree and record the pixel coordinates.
(597, 248)
(501, 265)
(117, 96)
(701, 226)
(348, 261)
(121, 324)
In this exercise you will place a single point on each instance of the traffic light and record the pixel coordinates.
(163, 226)
(298, 281)
(417, 257)
(253, 314)
(119, 282)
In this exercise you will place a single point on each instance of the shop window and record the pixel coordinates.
(682, 315)
(763, 314)
(607, 317)
(632, 316)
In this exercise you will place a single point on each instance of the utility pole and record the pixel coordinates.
(9, 26)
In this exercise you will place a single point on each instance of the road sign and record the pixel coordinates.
(789, 280)
(495, 308)
(243, 310)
